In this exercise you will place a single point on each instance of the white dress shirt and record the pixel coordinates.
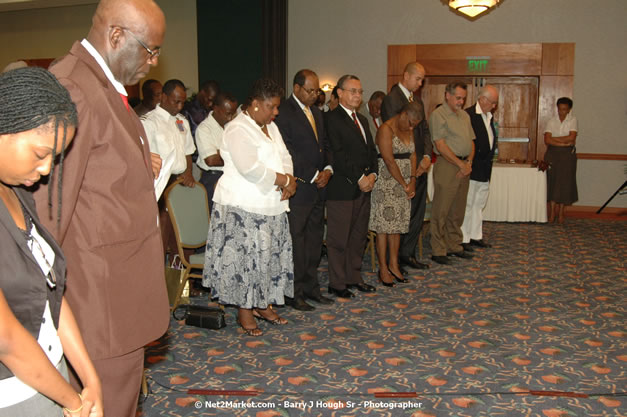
(557, 128)
(168, 134)
(208, 141)
(487, 117)
(251, 162)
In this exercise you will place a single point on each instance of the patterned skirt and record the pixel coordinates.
(248, 261)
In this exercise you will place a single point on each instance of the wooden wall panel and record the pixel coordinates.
(504, 58)
(393, 79)
(558, 59)
(551, 88)
(399, 56)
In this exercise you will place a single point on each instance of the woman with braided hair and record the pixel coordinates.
(37, 328)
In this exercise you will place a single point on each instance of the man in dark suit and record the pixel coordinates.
(348, 193)
(302, 128)
(399, 95)
(486, 139)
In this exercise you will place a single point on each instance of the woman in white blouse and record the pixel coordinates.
(560, 136)
(38, 331)
(248, 262)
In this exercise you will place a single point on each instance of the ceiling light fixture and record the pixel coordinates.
(472, 8)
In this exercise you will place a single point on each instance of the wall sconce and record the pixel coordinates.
(326, 87)
(472, 8)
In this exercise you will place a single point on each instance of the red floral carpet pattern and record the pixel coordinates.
(542, 311)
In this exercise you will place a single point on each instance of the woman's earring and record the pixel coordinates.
(256, 109)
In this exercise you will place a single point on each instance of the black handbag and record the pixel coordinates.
(199, 316)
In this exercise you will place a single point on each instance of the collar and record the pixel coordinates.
(479, 110)
(350, 112)
(100, 60)
(302, 106)
(405, 91)
(213, 120)
(163, 113)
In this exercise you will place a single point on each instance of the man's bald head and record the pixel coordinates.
(123, 31)
(413, 76)
(488, 98)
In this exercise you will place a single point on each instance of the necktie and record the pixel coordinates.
(125, 100)
(312, 122)
(411, 97)
(358, 125)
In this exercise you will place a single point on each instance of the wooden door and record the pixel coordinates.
(517, 116)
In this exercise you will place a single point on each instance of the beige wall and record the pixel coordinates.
(49, 33)
(351, 36)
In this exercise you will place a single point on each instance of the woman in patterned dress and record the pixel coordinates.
(394, 189)
(248, 262)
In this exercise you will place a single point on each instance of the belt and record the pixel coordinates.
(463, 158)
(405, 155)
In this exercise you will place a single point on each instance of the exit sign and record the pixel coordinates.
(477, 63)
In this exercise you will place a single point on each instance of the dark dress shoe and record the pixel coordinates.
(461, 254)
(363, 287)
(320, 299)
(401, 279)
(341, 293)
(467, 247)
(412, 263)
(299, 304)
(480, 243)
(442, 260)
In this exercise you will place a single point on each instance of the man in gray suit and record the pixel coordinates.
(399, 95)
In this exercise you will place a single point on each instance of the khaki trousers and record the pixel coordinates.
(447, 210)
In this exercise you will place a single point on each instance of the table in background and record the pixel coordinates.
(517, 194)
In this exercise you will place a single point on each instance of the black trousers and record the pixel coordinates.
(209, 179)
(409, 240)
(347, 233)
(307, 229)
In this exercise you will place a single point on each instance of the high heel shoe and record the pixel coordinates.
(387, 284)
(277, 321)
(402, 280)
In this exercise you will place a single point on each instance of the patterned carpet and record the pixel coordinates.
(543, 310)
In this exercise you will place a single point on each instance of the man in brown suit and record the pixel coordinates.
(108, 218)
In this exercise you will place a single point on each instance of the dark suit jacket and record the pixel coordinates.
(22, 281)
(392, 105)
(482, 164)
(109, 231)
(352, 157)
(308, 154)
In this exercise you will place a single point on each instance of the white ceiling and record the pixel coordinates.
(10, 5)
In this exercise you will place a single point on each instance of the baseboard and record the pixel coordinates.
(590, 212)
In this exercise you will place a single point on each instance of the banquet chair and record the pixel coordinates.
(189, 213)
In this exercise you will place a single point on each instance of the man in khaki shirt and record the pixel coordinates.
(452, 136)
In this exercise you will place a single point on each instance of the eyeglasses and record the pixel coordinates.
(153, 53)
(353, 91)
(310, 90)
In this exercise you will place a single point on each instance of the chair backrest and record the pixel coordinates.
(189, 213)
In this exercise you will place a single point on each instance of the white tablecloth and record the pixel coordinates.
(517, 194)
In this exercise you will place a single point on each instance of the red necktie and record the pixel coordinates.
(357, 124)
(125, 100)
